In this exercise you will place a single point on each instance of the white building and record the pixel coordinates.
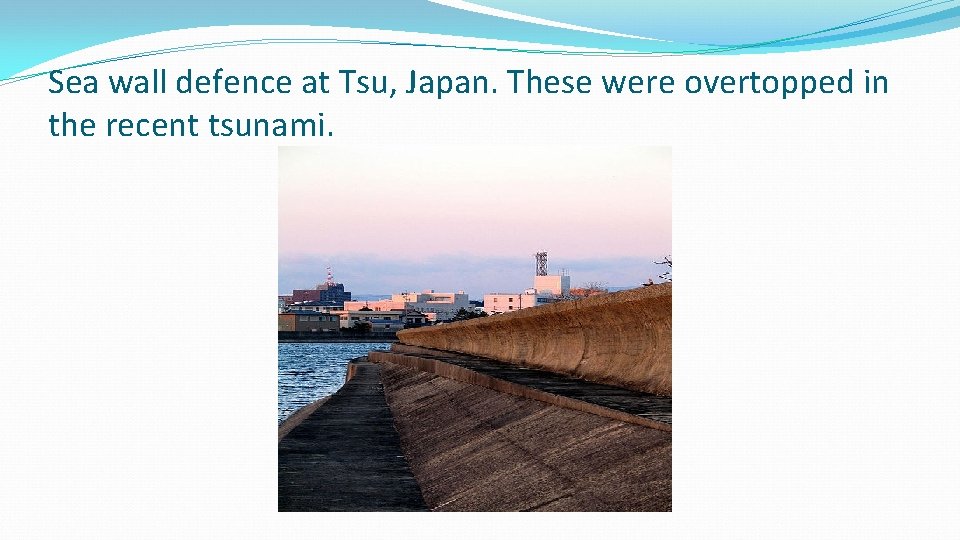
(558, 285)
(494, 303)
(394, 319)
(546, 290)
(444, 306)
(319, 307)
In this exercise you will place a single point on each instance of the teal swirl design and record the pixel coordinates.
(38, 31)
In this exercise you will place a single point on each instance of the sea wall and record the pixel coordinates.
(476, 449)
(621, 339)
(457, 373)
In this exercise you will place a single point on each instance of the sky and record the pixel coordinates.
(458, 217)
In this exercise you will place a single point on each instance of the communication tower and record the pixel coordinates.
(541, 263)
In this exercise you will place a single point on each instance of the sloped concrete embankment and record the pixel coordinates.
(622, 339)
(469, 376)
(473, 448)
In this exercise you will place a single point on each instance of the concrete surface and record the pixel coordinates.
(346, 455)
(552, 388)
(621, 339)
(475, 449)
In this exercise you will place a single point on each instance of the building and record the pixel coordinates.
(331, 294)
(546, 289)
(307, 321)
(349, 317)
(494, 303)
(385, 326)
(396, 318)
(413, 319)
(558, 285)
(444, 306)
(544, 283)
(316, 306)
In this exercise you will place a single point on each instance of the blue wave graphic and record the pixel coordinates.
(34, 32)
(722, 23)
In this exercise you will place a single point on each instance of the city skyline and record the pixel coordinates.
(455, 218)
(473, 275)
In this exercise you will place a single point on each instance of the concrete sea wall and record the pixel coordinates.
(469, 434)
(457, 373)
(476, 449)
(621, 339)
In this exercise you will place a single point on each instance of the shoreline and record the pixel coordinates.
(338, 340)
(301, 414)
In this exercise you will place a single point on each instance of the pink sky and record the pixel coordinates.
(414, 202)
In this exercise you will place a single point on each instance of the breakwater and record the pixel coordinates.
(622, 339)
(310, 371)
(345, 456)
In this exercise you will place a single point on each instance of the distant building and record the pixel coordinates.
(307, 321)
(396, 318)
(558, 285)
(494, 303)
(315, 306)
(413, 319)
(443, 305)
(546, 290)
(385, 326)
(350, 317)
(333, 294)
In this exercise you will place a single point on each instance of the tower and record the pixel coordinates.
(329, 281)
(541, 263)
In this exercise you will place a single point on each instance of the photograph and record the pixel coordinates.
(460, 332)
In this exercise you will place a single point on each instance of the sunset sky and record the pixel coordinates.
(459, 217)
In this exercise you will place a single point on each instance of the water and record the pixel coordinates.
(307, 372)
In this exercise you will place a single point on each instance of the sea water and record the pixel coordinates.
(307, 372)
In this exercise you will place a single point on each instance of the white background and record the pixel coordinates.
(815, 349)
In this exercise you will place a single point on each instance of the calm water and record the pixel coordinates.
(310, 371)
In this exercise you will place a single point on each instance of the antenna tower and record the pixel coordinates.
(541, 263)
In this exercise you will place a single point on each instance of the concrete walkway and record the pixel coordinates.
(658, 408)
(346, 456)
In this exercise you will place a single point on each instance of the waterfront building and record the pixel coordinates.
(307, 321)
(385, 326)
(398, 318)
(350, 317)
